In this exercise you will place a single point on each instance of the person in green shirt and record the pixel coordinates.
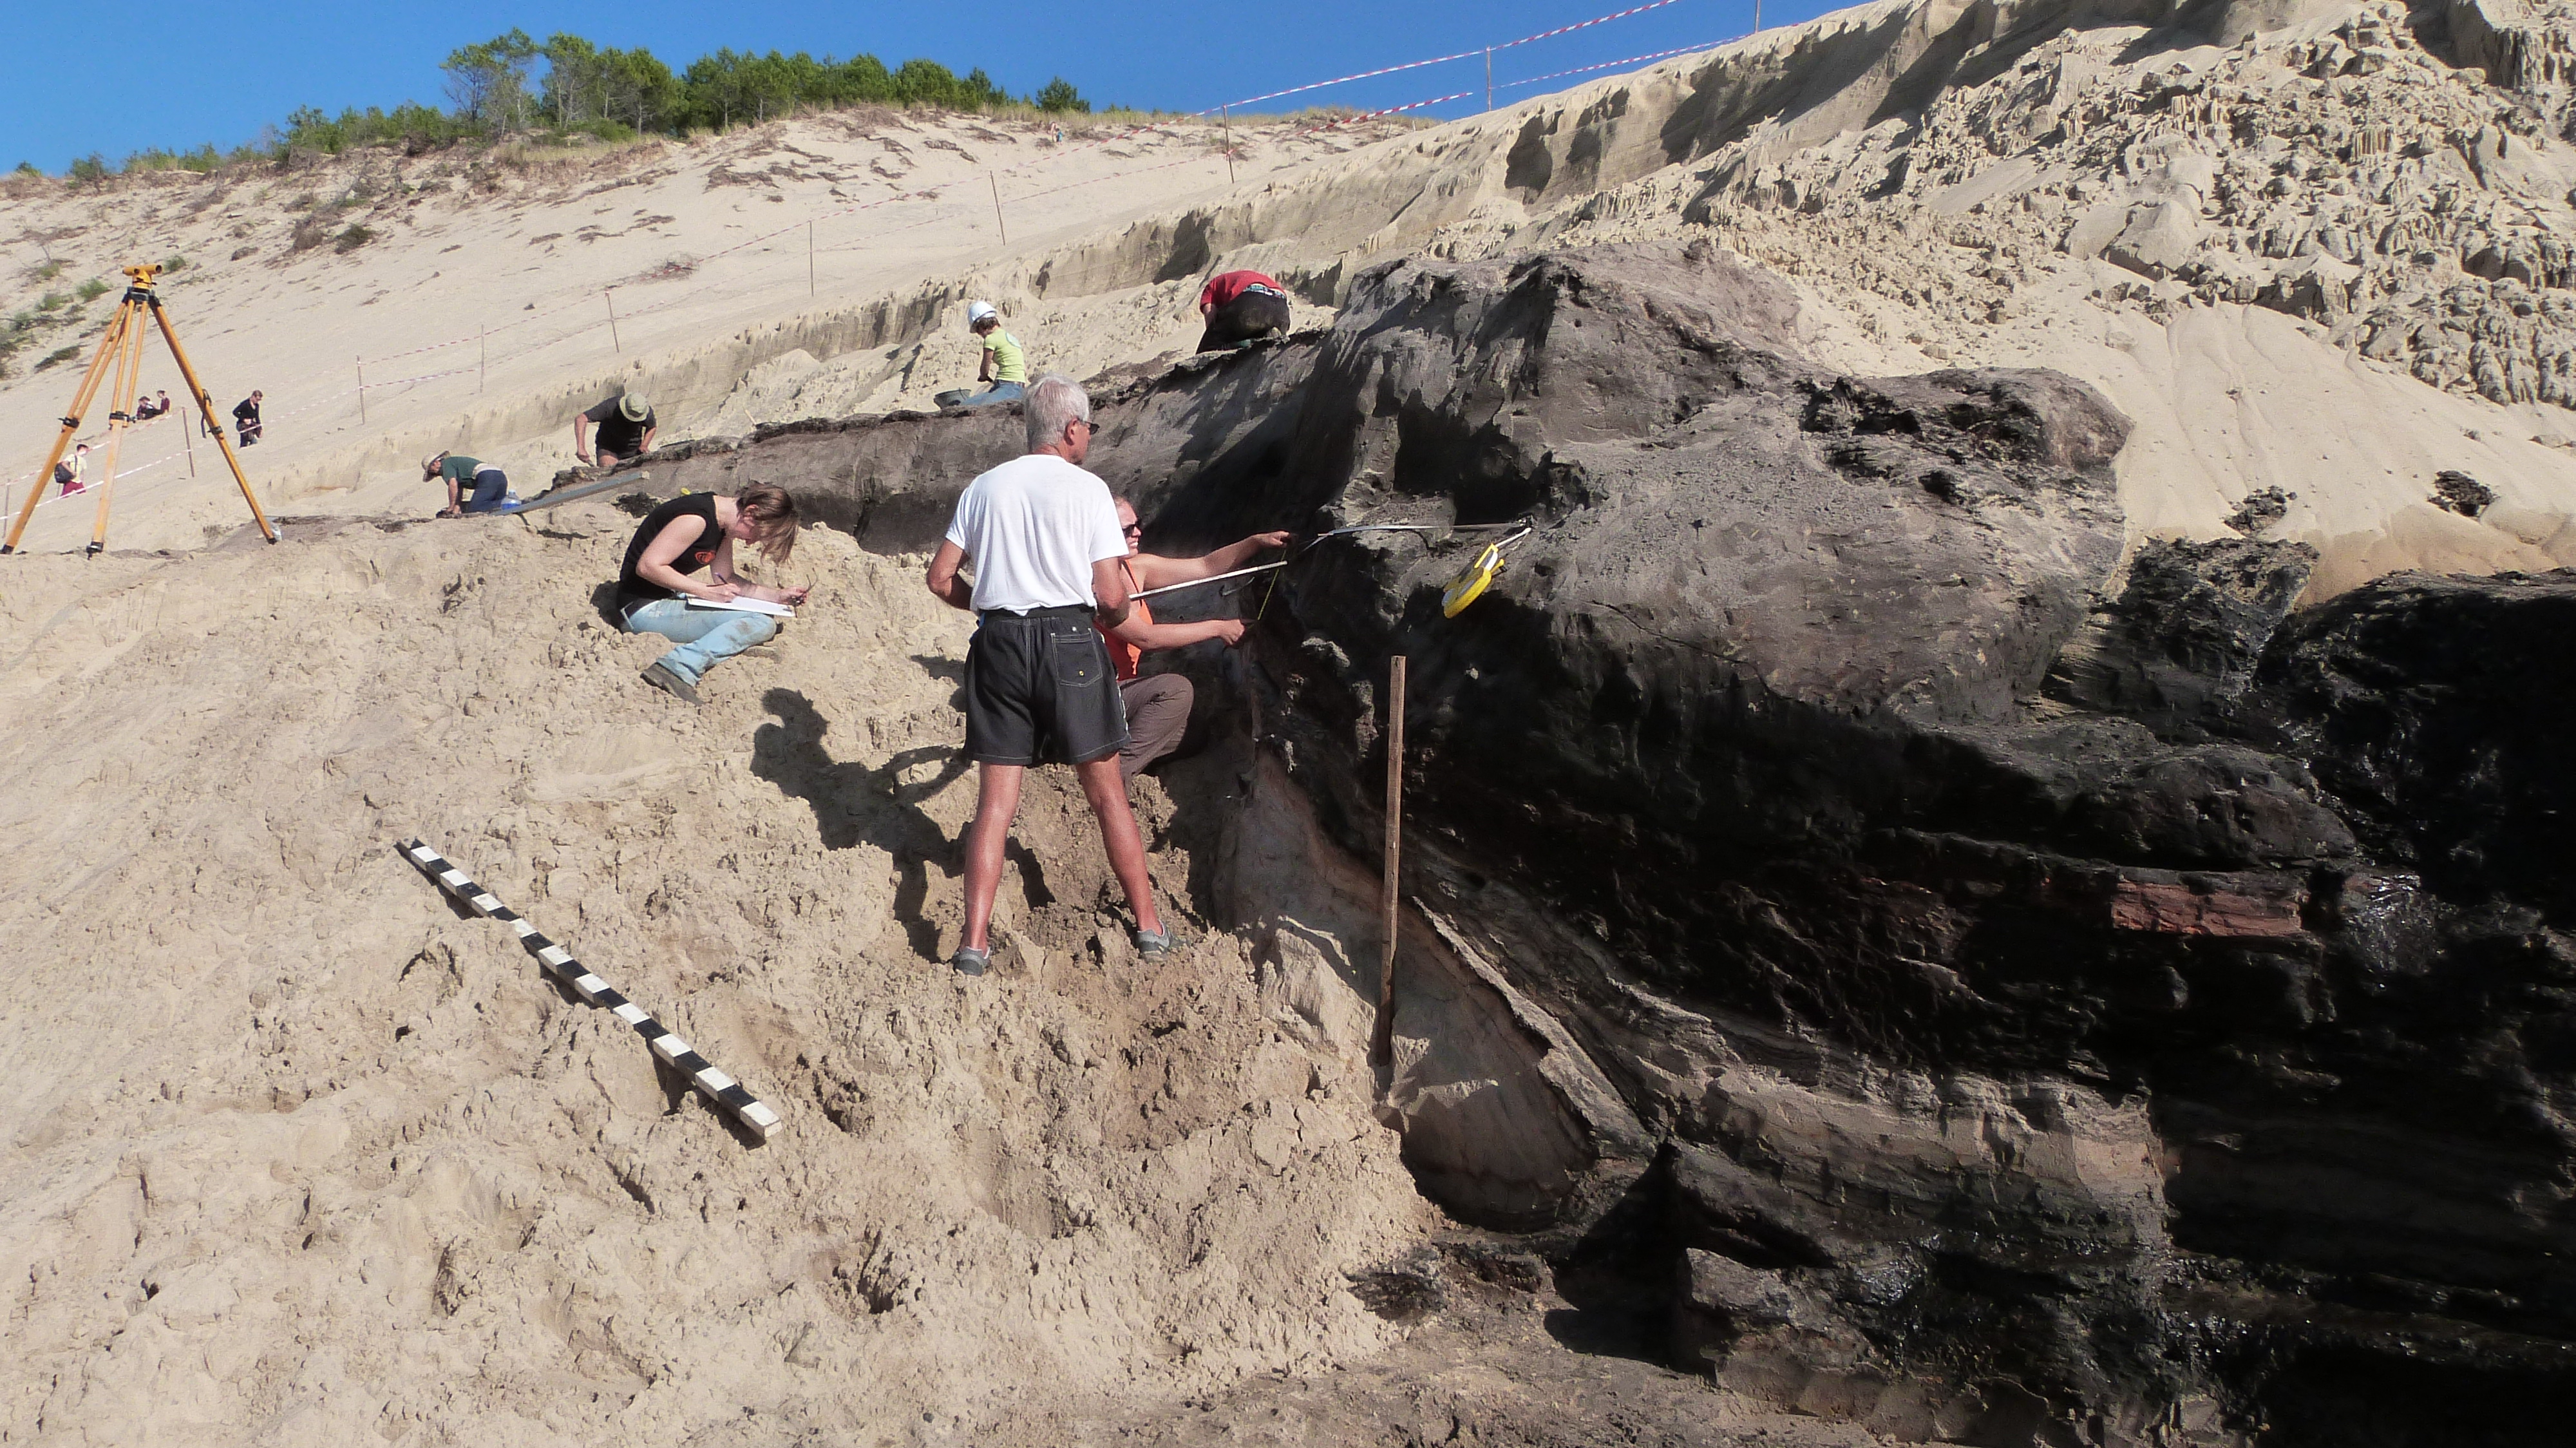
(491, 486)
(1005, 366)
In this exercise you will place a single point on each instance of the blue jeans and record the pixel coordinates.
(998, 392)
(491, 490)
(704, 635)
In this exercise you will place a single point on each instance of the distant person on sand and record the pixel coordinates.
(145, 409)
(1239, 306)
(1005, 365)
(626, 426)
(688, 533)
(491, 485)
(1043, 536)
(246, 418)
(1158, 708)
(73, 472)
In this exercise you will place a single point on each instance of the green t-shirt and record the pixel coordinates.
(460, 469)
(1010, 364)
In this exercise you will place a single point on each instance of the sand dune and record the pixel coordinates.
(302, 1155)
(494, 283)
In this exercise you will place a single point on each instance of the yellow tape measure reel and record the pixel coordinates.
(1469, 586)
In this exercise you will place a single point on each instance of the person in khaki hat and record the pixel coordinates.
(626, 426)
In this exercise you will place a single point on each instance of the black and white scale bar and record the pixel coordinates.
(702, 1073)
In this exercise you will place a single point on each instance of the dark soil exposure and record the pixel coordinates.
(1931, 979)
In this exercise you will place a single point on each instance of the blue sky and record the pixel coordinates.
(217, 72)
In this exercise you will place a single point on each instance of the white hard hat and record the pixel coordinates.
(976, 312)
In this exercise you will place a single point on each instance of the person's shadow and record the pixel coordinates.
(855, 804)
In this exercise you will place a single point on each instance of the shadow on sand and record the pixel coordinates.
(856, 804)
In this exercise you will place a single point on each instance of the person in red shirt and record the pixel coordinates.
(1239, 306)
(1158, 707)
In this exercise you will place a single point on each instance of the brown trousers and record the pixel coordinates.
(1158, 714)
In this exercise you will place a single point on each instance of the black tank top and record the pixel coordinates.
(632, 588)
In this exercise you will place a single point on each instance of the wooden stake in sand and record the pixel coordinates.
(1388, 883)
(362, 390)
(809, 258)
(1225, 127)
(716, 1085)
(610, 297)
(997, 210)
(482, 355)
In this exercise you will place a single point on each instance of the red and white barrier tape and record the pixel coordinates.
(1443, 59)
(1340, 121)
(1608, 65)
(1585, 24)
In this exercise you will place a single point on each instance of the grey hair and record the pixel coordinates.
(1054, 403)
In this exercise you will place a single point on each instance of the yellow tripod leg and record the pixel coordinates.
(81, 398)
(120, 416)
(206, 408)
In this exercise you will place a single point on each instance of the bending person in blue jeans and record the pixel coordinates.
(491, 486)
(697, 531)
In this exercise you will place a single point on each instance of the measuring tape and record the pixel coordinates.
(1469, 586)
(1463, 590)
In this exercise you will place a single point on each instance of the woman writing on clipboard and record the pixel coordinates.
(694, 532)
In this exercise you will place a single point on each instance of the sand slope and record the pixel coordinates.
(299, 1154)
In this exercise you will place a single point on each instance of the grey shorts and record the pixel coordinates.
(1039, 690)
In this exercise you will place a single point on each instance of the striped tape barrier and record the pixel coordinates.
(702, 1073)
(1609, 65)
(1443, 59)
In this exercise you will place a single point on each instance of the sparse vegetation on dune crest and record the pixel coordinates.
(568, 89)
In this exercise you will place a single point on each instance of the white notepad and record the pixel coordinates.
(746, 605)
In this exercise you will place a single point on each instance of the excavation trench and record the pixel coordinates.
(1913, 965)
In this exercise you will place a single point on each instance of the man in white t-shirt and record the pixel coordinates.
(1044, 538)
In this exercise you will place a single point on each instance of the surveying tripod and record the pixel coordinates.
(123, 341)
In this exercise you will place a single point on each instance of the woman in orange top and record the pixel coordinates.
(1158, 707)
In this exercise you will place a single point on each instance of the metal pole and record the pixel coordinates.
(1225, 125)
(190, 444)
(610, 296)
(997, 209)
(1389, 883)
(1757, 17)
(362, 392)
(1489, 70)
